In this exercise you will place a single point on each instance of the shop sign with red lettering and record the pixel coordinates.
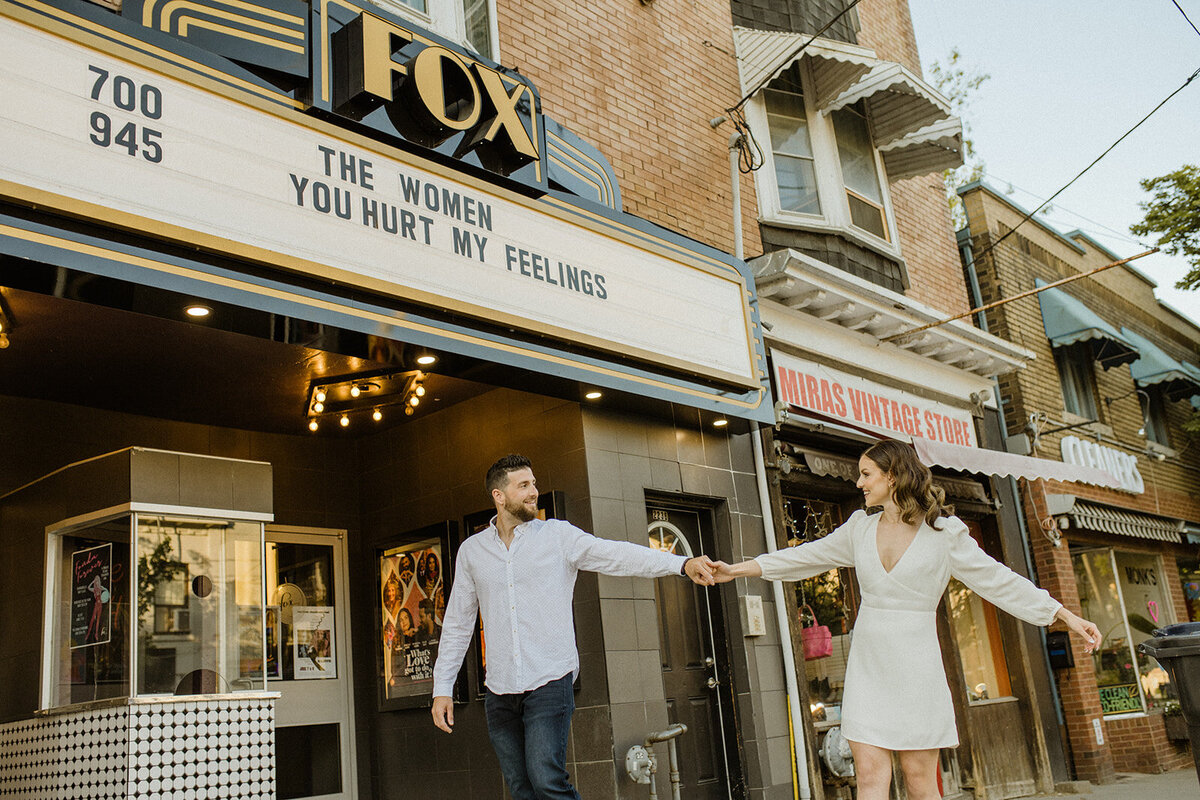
(838, 396)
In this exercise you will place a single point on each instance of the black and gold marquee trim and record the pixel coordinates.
(273, 35)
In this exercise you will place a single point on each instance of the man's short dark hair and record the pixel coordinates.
(497, 474)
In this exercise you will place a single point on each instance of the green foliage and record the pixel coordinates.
(1173, 213)
(959, 83)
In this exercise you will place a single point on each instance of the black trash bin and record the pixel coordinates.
(1177, 648)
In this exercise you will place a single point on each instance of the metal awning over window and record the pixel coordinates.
(932, 149)
(1156, 368)
(995, 462)
(763, 55)
(898, 102)
(1067, 321)
(1105, 519)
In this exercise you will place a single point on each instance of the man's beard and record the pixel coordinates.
(518, 509)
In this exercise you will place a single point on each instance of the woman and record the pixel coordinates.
(896, 697)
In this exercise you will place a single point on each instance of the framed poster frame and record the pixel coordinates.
(404, 661)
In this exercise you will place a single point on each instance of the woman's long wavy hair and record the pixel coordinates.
(913, 491)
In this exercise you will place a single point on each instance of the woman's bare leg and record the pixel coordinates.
(920, 768)
(872, 771)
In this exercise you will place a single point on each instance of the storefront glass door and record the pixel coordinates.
(308, 663)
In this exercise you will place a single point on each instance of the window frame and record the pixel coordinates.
(1154, 416)
(1075, 362)
(831, 187)
(448, 18)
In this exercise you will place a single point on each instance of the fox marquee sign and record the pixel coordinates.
(378, 157)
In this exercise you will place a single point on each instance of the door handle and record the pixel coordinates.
(708, 661)
(711, 683)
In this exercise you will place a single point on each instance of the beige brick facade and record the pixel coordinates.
(641, 82)
(1122, 297)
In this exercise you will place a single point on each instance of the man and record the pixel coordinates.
(520, 574)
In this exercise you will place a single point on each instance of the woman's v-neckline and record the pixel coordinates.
(879, 558)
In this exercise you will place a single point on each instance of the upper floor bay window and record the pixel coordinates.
(471, 23)
(824, 170)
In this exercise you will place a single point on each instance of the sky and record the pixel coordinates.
(1067, 78)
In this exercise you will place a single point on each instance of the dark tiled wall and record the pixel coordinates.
(418, 475)
(801, 16)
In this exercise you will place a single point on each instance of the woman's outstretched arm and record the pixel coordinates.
(724, 573)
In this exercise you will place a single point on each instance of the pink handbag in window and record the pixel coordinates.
(816, 639)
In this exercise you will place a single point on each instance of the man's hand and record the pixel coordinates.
(724, 573)
(699, 569)
(443, 713)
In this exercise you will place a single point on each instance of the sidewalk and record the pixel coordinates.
(1182, 784)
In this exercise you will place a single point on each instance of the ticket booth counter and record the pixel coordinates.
(153, 659)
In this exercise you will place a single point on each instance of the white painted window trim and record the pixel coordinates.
(447, 18)
(827, 166)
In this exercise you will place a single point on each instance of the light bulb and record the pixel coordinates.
(378, 415)
(420, 390)
(414, 401)
(355, 391)
(312, 425)
(345, 421)
(408, 411)
(320, 396)
(318, 407)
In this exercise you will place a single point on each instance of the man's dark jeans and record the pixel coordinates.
(529, 734)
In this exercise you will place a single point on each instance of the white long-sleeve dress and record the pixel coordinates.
(896, 695)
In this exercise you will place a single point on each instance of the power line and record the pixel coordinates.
(1185, 16)
(1112, 231)
(991, 246)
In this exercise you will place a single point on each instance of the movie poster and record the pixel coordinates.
(412, 603)
(91, 596)
(313, 654)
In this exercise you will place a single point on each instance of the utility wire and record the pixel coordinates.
(1111, 231)
(1185, 16)
(992, 245)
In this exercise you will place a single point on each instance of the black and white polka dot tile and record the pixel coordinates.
(194, 749)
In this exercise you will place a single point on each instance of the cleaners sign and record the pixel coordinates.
(860, 403)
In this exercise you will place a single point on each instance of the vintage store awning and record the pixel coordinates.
(1067, 321)
(1001, 464)
(1106, 519)
(909, 118)
(1155, 368)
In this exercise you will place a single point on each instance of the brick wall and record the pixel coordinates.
(641, 83)
(1140, 744)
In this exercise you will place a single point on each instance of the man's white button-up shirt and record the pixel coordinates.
(524, 592)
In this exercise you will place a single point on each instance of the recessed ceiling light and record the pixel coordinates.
(720, 423)
(426, 359)
(594, 395)
(198, 311)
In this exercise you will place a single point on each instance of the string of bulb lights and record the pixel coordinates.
(343, 399)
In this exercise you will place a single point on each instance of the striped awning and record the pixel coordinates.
(932, 149)
(899, 103)
(1067, 321)
(1105, 519)
(1155, 368)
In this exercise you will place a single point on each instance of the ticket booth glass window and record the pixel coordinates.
(88, 635)
(200, 606)
(1124, 594)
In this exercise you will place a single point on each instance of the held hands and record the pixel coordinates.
(1086, 629)
(699, 569)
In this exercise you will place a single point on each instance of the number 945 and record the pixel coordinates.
(127, 137)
